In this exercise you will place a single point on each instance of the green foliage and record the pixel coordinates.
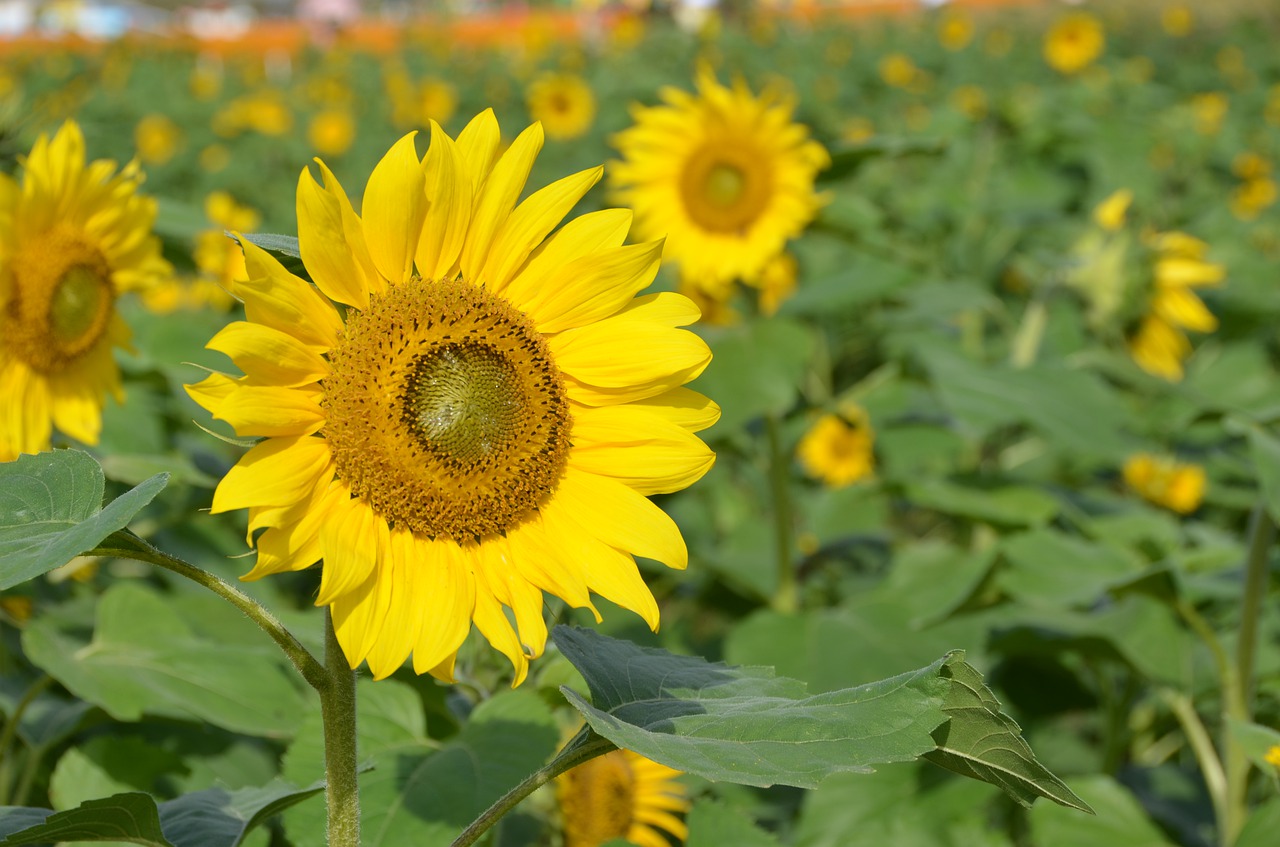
(51, 511)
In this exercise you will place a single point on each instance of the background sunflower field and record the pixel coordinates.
(1013, 390)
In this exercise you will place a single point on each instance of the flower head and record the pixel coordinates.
(157, 138)
(839, 448)
(1159, 345)
(332, 131)
(467, 410)
(74, 236)
(1074, 42)
(622, 795)
(1165, 482)
(563, 103)
(725, 175)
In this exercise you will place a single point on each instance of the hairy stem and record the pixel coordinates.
(584, 747)
(338, 713)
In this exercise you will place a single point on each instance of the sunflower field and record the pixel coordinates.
(791, 427)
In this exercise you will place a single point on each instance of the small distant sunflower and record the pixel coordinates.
(563, 103)
(466, 410)
(622, 795)
(156, 138)
(1173, 485)
(1159, 345)
(332, 131)
(727, 176)
(839, 448)
(1074, 42)
(74, 236)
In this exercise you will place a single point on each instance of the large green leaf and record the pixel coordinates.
(421, 792)
(714, 824)
(51, 511)
(211, 818)
(982, 742)
(144, 658)
(1007, 505)
(1048, 567)
(744, 724)
(756, 370)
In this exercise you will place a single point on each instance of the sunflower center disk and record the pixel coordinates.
(63, 301)
(445, 410)
(725, 189)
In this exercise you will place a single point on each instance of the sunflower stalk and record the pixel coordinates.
(338, 716)
(583, 747)
(785, 598)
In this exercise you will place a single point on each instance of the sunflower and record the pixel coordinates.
(74, 236)
(1159, 345)
(839, 448)
(1173, 485)
(563, 104)
(727, 176)
(332, 131)
(1074, 42)
(467, 412)
(622, 795)
(156, 138)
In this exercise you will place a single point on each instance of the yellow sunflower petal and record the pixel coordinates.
(276, 298)
(449, 199)
(1180, 307)
(639, 449)
(211, 391)
(494, 626)
(665, 307)
(683, 407)
(293, 542)
(26, 414)
(478, 144)
(323, 241)
(621, 518)
(279, 470)
(1188, 272)
(595, 286)
(393, 209)
(264, 410)
(448, 588)
(497, 198)
(580, 237)
(544, 565)
(358, 617)
(269, 355)
(513, 590)
(530, 223)
(403, 620)
(620, 353)
(352, 537)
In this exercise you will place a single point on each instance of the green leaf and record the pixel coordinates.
(1119, 822)
(283, 247)
(756, 370)
(846, 160)
(421, 792)
(1008, 505)
(743, 724)
(1261, 828)
(144, 658)
(1256, 741)
(714, 824)
(1050, 567)
(51, 511)
(211, 818)
(983, 743)
(131, 817)
(914, 805)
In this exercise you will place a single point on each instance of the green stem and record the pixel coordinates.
(11, 725)
(1215, 778)
(1239, 697)
(584, 747)
(312, 671)
(785, 599)
(338, 714)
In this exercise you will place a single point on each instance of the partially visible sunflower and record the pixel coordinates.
(156, 138)
(466, 410)
(563, 103)
(74, 236)
(622, 795)
(1159, 345)
(725, 175)
(1074, 42)
(839, 448)
(1173, 485)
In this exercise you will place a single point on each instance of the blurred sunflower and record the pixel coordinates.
(727, 176)
(464, 436)
(1074, 42)
(839, 448)
(563, 103)
(437, 100)
(622, 795)
(332, 131)
(74, 236)
(1177, 20)
(156, 138)
(1159, 345)
(955, 29)
(1169, 484)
